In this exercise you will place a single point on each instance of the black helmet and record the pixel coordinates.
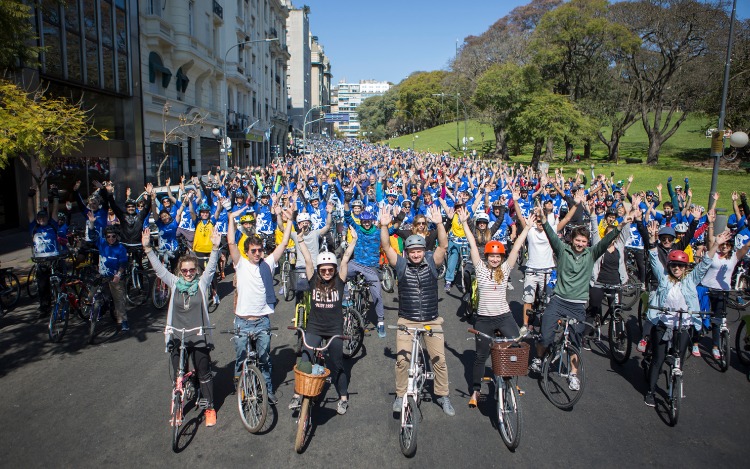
(111, 229)
(129, 202)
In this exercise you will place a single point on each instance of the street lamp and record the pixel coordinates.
(226, 143)
(304, 123)
(415, 137)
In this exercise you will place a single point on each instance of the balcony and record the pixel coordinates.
(218, 10)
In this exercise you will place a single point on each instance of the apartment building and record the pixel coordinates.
(349, 96)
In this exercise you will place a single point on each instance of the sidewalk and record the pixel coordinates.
(15, 251)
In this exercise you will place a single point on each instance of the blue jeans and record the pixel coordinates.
(454, 253)
(262, 346)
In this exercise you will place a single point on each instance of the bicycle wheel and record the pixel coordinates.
(58, 320)
(252, 399)
(556, 374)
(176, 421)
(304, 425)
(93, 319)
(441, 270)
(509, 417)
(137, 288)
(675, 400)
(725, 351)
(620, 344)
(286, 281)
(11, 289)
(353, 328)
(32, 288)
(742, 342)
(389, 278)
(160, 294)
(81, 296)
(631, 294)
(407, 437)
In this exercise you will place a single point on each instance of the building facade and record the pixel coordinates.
(349, 96)
(299, 72)
(320, 85)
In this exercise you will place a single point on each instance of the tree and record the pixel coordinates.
(16, 35)
(37, 128)
(187, 126)
(415, 95)
(375, 113)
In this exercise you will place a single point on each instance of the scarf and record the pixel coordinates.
(183, 286)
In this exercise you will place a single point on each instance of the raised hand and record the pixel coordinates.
(735, 196)
(516, 193)
(385, 217)
(216, 237)
(91, 215)
(653, 229)
(146, 238)
(636, 201)
(532, 218)
(715, 196)
(711, 216)
(76, 185)
(690, 193)
(724, 237)
(696, 212)
(434, 215)
(659, 187)
(329, 208)
(127, 192)
(353, 233)
(166, 183)
(149, 189)
(463, 215)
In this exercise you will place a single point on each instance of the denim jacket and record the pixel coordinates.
(688, 286)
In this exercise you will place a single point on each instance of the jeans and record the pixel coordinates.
(559, 309)
(371, 275)
(262, 346)
(659, 349)
(454, 252)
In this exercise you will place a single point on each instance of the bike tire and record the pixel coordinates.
(304, 425)
(509, 416)
(286, 281)
(93, 320)
(555, 373)
(32, 287)
(407, 437)
(725, 351)
(441, 270)
(82, 294)
(620, 340)
(12, 290)
(389, 278)
(742, 343)
(160, 294)
(58, 320)
(354, 328)
(631, 295)
(252, 399)
(137, 288)
(176, 422)
(675, 403)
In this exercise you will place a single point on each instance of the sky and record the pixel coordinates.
(387, 40)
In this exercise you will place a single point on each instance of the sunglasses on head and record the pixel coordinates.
(188, 271)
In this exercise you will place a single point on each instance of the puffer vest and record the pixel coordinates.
(418, 292)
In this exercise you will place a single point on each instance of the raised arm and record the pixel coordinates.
(309, 263)
(385, 218)
(344, 268)
(463, 217)
(286, 216)
(513, 256)
(442, 247)
(329, 220)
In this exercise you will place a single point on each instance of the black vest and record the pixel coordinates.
(418, 292)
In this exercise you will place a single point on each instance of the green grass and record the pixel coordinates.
(686, 154)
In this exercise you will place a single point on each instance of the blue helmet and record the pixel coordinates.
(204, 208)
(366, 216)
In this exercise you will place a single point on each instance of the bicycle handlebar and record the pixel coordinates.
(679, 311)
(607, 286)
(318, 349)
(496, 339)
(170, 329)
(409, 330)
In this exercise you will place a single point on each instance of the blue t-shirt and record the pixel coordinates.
(111, 258)
(44, 238)
(167, 235)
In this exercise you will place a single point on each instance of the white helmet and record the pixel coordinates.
(327, 258)
(681, 228)
(481, 216)
(303, 216)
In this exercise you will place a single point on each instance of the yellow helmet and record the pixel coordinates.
(247, 218)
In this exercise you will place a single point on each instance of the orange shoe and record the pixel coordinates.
(210, 415)
(473, 401)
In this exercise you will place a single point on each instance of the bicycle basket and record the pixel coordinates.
(510, 359)
(308, 384)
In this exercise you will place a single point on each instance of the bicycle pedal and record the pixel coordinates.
(521, 392)
(202, 403)
(429, 375)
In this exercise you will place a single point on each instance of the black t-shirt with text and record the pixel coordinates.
(326, 317)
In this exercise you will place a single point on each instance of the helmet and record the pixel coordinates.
(215, 186)
(61, 217)
(357, 203)
(481, 217)
(617, 189)
(600, 204)
(111, 229)
(494, 247)
(524, 188)
(667, 231)
(414, 191)
(239, 195)
(611, 211)
(165, 197)
(314, 196)
(366, 216)
(247, 218)
(391, 193)
(415, 241)
(649, 193)
(678, 256)
(129, 202)
(326, 258)
(42, 213)
(204, 208)
(681, 228)
(405, 203)
(609, 198)
(265, 193)
(304, 216)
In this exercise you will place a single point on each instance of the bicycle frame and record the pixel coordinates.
(182, 378)
(418, 373)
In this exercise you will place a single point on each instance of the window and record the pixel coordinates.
(191, 18)
(154, 7)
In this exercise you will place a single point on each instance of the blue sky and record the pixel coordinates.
(388, 39)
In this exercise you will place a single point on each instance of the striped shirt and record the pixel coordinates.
(492, 295)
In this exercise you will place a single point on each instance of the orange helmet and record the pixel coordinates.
(494, 247)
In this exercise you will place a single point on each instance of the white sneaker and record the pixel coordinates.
(573, 382)
(510, 286)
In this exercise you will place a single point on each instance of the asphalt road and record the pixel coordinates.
(70, 405)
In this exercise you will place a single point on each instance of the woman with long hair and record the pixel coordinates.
(188, 309)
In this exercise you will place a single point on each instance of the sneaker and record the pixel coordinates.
(696, 351)
(586, 343)
(741, 301)
(716, 354)
(272, 399)
(642, 346)
(282, 291)
(295, 402)
(346, 303)
(523, 331)
(574, 384)
(343, 405)
(125, 326)
(649, 399)
(210, 415)
(397, 403)
(381, 330)
(536, 366)
(216, 299)
(445, 403)
(447, 287)
(510, 286)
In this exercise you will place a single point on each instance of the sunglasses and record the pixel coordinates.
(666, 239)
(420, 223)
(255, 250)
(111, 236)
(680, 265)
(188, 271)
(326, 270)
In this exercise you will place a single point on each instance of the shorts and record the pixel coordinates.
(532, 281)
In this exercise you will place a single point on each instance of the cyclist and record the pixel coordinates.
(167, 226)
(256, 297)
(418, 304)
(202, 245)
(493, 313)
(44, 233)
(326, 317)
(188, 309)
(676, 290)
(312, 240)
(113, 260)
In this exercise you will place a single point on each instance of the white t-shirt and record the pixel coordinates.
(675, 300)
(492, 296)
(251, 294)
(719, 275)
(540, 250)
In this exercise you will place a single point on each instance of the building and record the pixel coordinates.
(320, 85)
(299, 71)
(349, 96)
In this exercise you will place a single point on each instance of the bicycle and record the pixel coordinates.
(386, 273)
(185, 387)
(557, 367)
(470, 297)
(418, 374)
(300, 319)
(359, 296)
(354, 328)
(67, 296)
(632, 295)
(212, 304)
(618, 335)
(136, 283)
(252, 395)
(719, 319)
(288, 279)
(509, 360)
(160, 291)
(10, 289)
(741, 285)
(541, 295)
(742, 340)
(97, 305)
(309, 386)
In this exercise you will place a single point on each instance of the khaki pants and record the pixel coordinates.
(435, 346)
(118, 298)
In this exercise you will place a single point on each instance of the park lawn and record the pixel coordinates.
(677, 159)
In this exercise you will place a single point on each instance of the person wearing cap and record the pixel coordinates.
(325, 318)
(131, 222)
(610, 219)
(113, 261)
(43, 229)
(417, 275)
(493, 312)
(676, 290)
(96, 204)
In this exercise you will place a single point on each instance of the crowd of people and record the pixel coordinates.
(418, 210)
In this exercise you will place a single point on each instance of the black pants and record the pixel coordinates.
(335, 361)
(489, 324)
(43, 272)
(719, 308)
(659, 351)
(640, 261)
(202, 364)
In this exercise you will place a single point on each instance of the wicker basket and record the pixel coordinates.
(510, 359)
(307, 384)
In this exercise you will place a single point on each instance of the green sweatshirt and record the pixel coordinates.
(574, 270)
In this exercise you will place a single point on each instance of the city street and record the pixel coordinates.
(71, 405)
